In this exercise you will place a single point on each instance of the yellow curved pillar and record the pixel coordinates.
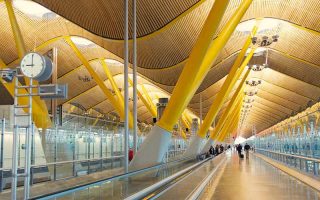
(185, 87)
(151, 107)
(230, 106)
(200, 60)
(116, 104)
(40, 112)
(229, 128)
(232, 123)
(115, 89)
(225, 90)
(223, 124)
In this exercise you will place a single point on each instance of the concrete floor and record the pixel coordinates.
(254, 179)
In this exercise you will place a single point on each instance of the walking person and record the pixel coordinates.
(246, 149)
(211, 150)
(239, 150)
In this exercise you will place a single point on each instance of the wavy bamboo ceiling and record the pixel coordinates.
(167, 31)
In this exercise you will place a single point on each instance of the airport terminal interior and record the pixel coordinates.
(159, 99)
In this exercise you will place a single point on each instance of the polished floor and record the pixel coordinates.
(254, 179)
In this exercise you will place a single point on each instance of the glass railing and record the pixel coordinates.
(121, 186)
(308, 165)
(66, 152)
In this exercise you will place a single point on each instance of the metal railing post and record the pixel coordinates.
(126, 86)
(15, 147)
(134, 71)
(112, 137)
(74, 155)
(32, 153)
(55, 154)
(1, 152)
(101, 160)
(88, 156)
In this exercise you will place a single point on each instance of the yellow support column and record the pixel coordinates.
(20, 45)
(116, 104)
(233, 120)
(227, 86)
(194, 147)
(231, 115)
(233, 129)
(95, 121)
(72, 108)
(229, 127)
(115, 89)
(155, 146)
(151, 107)
(185, 122)
(228, 110)
(112, 82)
(200, 60)
(187, 117)
(231, 105)
(40, 112)
(145, 92)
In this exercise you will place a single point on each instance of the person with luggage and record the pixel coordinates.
(221, 148)
(239, 150)
(216, 151)
(211, 150)
(246, 149)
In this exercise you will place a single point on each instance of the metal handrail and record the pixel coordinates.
(291, 155)
(82, 160)
(197, 192)
(99, 182)
(68, 161)
(150, 189)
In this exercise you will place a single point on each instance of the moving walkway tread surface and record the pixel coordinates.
(186, 187)
(114, 189)
(255, 179)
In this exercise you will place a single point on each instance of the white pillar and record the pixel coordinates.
(134, 69)
(207, 146)
(195, 141)
(152, 150)
(126, 86)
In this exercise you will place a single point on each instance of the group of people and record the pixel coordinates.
(246, 149)
(218, 149)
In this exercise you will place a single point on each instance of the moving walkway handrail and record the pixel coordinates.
(291, 155)
(141, 194)
(197, 192)
(145, 192)
(99, 182)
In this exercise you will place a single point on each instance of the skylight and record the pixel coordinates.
(113, 62)
(258, 52)
(265, 24)
(33, 10)
(80, 41)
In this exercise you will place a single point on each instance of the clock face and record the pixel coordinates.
(32, 65)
